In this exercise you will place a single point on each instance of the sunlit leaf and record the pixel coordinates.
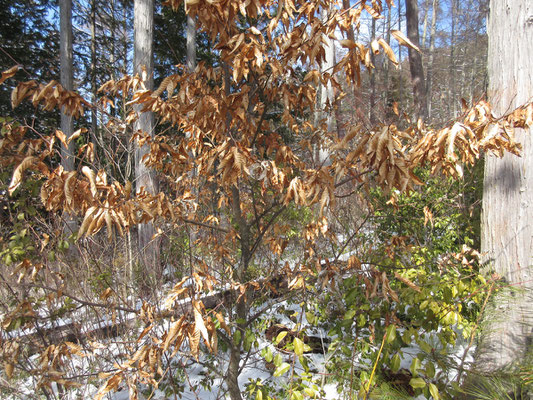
(282, 369)
(9, 73)
(403, 40)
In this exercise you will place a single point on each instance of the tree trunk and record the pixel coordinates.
(400, 81)
(66, 76)
(232, 377)
(327, 96)
(145, 177)
(372, 111)
(507, 222)
(387, 64)
(452, 100)
(191, 43)
(415, 60)
(425, 26)
(400, 29)
(356, 105)
(432, 32)
(94, 88)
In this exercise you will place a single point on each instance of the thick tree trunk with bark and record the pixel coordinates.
(387, 64)
(452, 104)
(415, 59)
(372, 110)
(191, 43)
(94, 88)
(145, 177)
(433, 31)
(327, 95)
(507, 222)
(66, 76)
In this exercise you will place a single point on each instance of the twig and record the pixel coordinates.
(367, 391)
(84, 302)
(190, 221)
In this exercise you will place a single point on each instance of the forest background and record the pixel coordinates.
(291, 208)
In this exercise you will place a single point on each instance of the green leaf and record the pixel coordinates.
(391, 333)
(447, 294)
(267, 353)
(434, 391)
(310, 392)
(450, 318)
(350, 297)
(350, 314)
(311, 318)
(249, 339)
(298, 346)
(259, 394)
(297, 395)
(415, 365)
(406, 337)
(278, 360)
(430, 370)
(417, 383)
(395, 363)
(305, 364)
(281, 336)
(282, 369)
(456, 387)
(237, 337)
(424, 346)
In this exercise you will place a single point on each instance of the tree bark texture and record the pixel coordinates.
(415, 59)
(452, 98)
(191, 43)
(507, 221)
(145, 177)
(66, 77)
(327, 95)
(94, 88)
(433, 31)
(372, 111)
(400, 28)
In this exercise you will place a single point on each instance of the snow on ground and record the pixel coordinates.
(195, 386)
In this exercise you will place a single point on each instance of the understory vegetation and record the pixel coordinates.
(298, 250)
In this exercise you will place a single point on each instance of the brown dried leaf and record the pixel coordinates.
(68, 188)
(89, 173)
(428, 216)
(194, 341)
(17, 174)
(388, 51)
(199, 324)
(222, 322)
(109, 224)
(75, 349)
(111, 384)
(173, 332)
(9, 73)
(62, 137)
(76, 135)
(404, 40)
(374, 45)
(347, 43)
(87, 220)
(9, 368)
